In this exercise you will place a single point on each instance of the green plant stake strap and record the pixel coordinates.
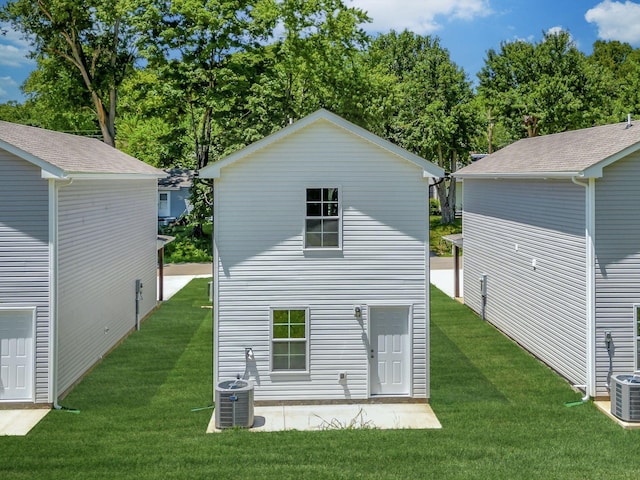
(68, 410)
(208, 407)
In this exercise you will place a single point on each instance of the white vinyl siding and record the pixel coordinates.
(107, 239)
(24, 253)
(259, 234)
(528, 237)
(617, 265)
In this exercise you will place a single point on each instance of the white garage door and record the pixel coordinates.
(16, 355)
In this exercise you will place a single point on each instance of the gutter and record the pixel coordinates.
(497, 175)
(590, 221)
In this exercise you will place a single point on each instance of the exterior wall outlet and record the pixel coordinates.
(342, 377)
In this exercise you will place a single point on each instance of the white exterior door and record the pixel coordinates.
(16, 355)
(164, 209)
(389, 353)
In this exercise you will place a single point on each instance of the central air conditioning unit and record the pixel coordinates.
(625, 397)
(234, 404)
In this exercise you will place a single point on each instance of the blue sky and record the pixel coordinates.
(467, 28)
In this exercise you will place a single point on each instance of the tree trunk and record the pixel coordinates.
(446, 195)
(447, 190)
(105, 120)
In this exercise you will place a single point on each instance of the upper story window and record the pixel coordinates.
(322, 224)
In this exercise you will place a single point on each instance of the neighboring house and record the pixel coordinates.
(321, 261)
(553, 222)
(174, 192)
(77, 235)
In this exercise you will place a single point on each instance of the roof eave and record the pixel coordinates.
(112, 176)
(596, 170)
(48, 170)
(538, 175)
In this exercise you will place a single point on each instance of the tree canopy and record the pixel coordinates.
(185, 82)
(540, 88)
(430, 111)
(91, 38)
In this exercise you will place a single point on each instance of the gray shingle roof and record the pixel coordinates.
(70, 154)
(178, 178)
(581, 152)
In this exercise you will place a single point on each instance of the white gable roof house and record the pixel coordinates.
(551, 251)
(321, 266)
(77, 257)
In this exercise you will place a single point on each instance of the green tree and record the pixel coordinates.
(58, 100)
(196, 46)
(619, 67)
(429, 109)
(92, 37)
(541, 88)
(15, 112)
(315, 63)
(150, 126)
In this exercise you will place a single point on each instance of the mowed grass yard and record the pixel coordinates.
(502, 412)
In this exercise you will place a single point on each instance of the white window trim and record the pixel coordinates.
(168, 202)
(304, 224)
(306, 340)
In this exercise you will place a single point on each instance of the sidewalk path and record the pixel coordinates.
(177, 275)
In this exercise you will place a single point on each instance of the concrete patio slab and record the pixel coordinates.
(329, 417)
(605, 407)
(20, 422)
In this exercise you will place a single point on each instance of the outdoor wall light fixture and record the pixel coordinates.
(357, 312)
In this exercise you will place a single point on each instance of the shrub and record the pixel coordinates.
(192, 244)
(437, 230)
(434, 206)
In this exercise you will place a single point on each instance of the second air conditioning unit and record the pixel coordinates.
(625, 397)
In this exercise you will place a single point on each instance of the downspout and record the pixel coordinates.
(214, 279)
(54, 187)
(590, 221)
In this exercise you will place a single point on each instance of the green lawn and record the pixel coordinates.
(502, 412)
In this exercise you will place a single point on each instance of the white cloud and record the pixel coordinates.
(555, 30)
(6, 83)
(14, 49)
(558, 29)
(420, 16)
(616, 21)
